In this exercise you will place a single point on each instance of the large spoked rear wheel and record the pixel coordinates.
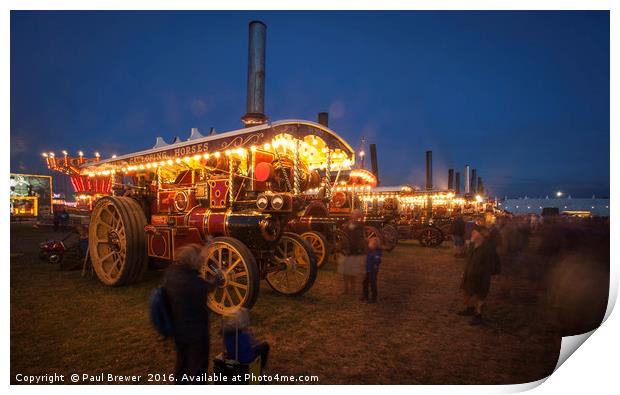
(431, 237)
(319, 245)
(116, 240)
(297, 266)
(390, 237)
(233, 263)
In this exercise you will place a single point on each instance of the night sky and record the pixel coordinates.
(523, 97)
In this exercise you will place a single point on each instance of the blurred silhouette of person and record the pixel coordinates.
(373, 260)
(352, 264)
(64, 218)
(83, 232)
(187, 298)
(56, 220)
(477, 275)
(457, 229)
(239, 341)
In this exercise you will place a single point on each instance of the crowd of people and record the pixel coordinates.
(480, 241)
(573, 251)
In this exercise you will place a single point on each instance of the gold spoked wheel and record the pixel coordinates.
(231, 263)
(116, 240)
(318, 242)
(296, 266)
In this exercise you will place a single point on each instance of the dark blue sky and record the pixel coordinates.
(521, 96)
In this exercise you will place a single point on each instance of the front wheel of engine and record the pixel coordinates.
(297, 266)
(232, 263)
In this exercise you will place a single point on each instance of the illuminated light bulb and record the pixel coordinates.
(80, 153)
(178, 160)
(44, 154)
(186, 159)
(154, 164)
(97, 154)
(217, 154)
(240, 151)
(52, 154)
(114, 156)
(196, 157)
(113, 171)
(170, 161)
(362, 153)
(64, 152)
(148, 165)
(253, 148)
(141, 167)
(314, 141)
(162, 163)
(124, 169)
(266, 146)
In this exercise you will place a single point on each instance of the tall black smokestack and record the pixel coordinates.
(429, 170)
(466, 180)
(255, 107)
(472, 186)
(373, 161)
(450, 179)
(480, 186)
(324, 119)
(457, 186)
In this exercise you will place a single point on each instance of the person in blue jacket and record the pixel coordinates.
(240, 343)
(373, 260)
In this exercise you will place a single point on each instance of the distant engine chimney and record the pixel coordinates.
(466, 179)
(450, 179)
(480, 186)
(472, 186)
(429, 170)
(373, 161)
(324, 119)
(255, 107)
(457, 186)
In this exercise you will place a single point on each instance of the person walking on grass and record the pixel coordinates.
(186, 293)
(373, 260)
(477, 276)
(351, 265)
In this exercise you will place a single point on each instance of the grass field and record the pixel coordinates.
(64, 323)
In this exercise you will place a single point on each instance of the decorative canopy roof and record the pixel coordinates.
(314, 140)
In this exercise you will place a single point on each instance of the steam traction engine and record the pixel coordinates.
(234, 192)
(410, 210)
(344, 196)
